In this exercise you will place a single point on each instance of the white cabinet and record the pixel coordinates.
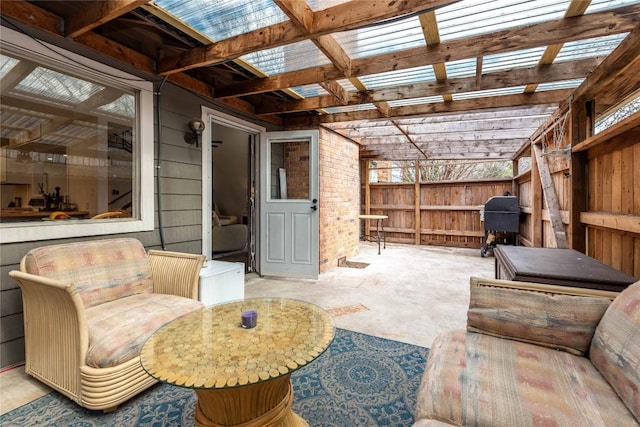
(220, 282)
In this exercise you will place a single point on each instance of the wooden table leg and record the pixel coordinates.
(266, 403)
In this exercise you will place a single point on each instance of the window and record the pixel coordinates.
(73, 150)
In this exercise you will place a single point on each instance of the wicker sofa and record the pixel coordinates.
(536, 355)
(89, 307)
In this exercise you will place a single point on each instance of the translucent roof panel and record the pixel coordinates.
(462, 68)
(474, 17)
(601, 5)
(283, 59)
(317, 5)
(508, 60)
(222, 19)
(564, 84)
(54, 85)
(491, 92)
(123, 106)
(346, 83)
(400, 77)
(414, 101)
(382, 38)
(349, 108)
(601, 46)
(6, 64)
(309, 91)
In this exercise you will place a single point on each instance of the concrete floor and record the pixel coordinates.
(408, 293)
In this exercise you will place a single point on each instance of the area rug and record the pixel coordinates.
(360, 380)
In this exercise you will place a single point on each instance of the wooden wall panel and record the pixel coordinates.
(614, 195)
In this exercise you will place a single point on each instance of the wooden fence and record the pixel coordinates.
(436, 213)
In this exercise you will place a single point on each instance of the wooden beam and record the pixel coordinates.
(416, 204)
(551, 197)
(431, 33)
(576, 8)
(619, 67)
(338, 18)
(611, 221)
(516, 100)
(600, 24)
(495, 80)
(95, 13)
(623, 126)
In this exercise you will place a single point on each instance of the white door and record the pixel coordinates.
(289, 231)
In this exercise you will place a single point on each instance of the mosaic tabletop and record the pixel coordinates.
(209, 348)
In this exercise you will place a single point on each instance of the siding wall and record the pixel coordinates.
(181, 187)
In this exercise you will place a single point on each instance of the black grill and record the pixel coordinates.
(501, 218)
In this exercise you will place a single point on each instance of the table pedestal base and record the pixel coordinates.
(267, 403)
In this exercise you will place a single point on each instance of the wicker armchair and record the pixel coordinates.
(76, 294)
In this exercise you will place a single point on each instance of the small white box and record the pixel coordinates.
(220, 282)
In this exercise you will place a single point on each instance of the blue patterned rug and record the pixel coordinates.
(360, 380)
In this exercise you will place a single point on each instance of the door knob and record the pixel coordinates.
(314, 207)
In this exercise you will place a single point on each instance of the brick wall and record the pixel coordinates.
(296, 163)
(339, 199)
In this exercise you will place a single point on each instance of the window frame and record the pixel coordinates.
(143, 181)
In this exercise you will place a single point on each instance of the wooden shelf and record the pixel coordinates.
(607, 134)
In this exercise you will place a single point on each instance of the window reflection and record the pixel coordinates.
(67, 145)
(290, 178)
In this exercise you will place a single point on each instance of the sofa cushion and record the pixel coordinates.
(568, 324)
(615, 349)
(475, 379)
(119, 329)
(101, 270)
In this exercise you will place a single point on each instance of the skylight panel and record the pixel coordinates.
(474, 17)
(346, 83)
(509, 60)
(415, 101)
(564, 84)
(461, 68)
(602, 5)
(309, 91)
(54, 85)
(350, 108)
(317, 5)
(123, 106)
(283, 59)
(490, 92)
(382, 38)
(222, 19)
(601, 46)
(6, 64)
(399, 77)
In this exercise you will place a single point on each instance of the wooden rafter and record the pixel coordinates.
(496, 80)
(94, 14)
(432, 36)
(576, 8)
(342, 17)
(600, 24)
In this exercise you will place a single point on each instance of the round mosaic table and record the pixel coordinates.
(241, 376)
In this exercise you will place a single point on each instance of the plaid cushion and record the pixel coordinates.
(101, 270)
(558, 321)
(615, 349)
(475, 379)
(119, 329)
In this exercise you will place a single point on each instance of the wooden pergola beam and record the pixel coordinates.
(96, 13)
(600, 24)
(495, 80)
(333, 19)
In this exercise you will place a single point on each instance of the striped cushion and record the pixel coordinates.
(568, 322)
(615, 349)
(119, 329)
(101, 270)
(475, 379)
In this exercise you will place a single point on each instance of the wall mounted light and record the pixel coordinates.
(196, 126)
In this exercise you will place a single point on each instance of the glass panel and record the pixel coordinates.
(290, 170)
(68, 146)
